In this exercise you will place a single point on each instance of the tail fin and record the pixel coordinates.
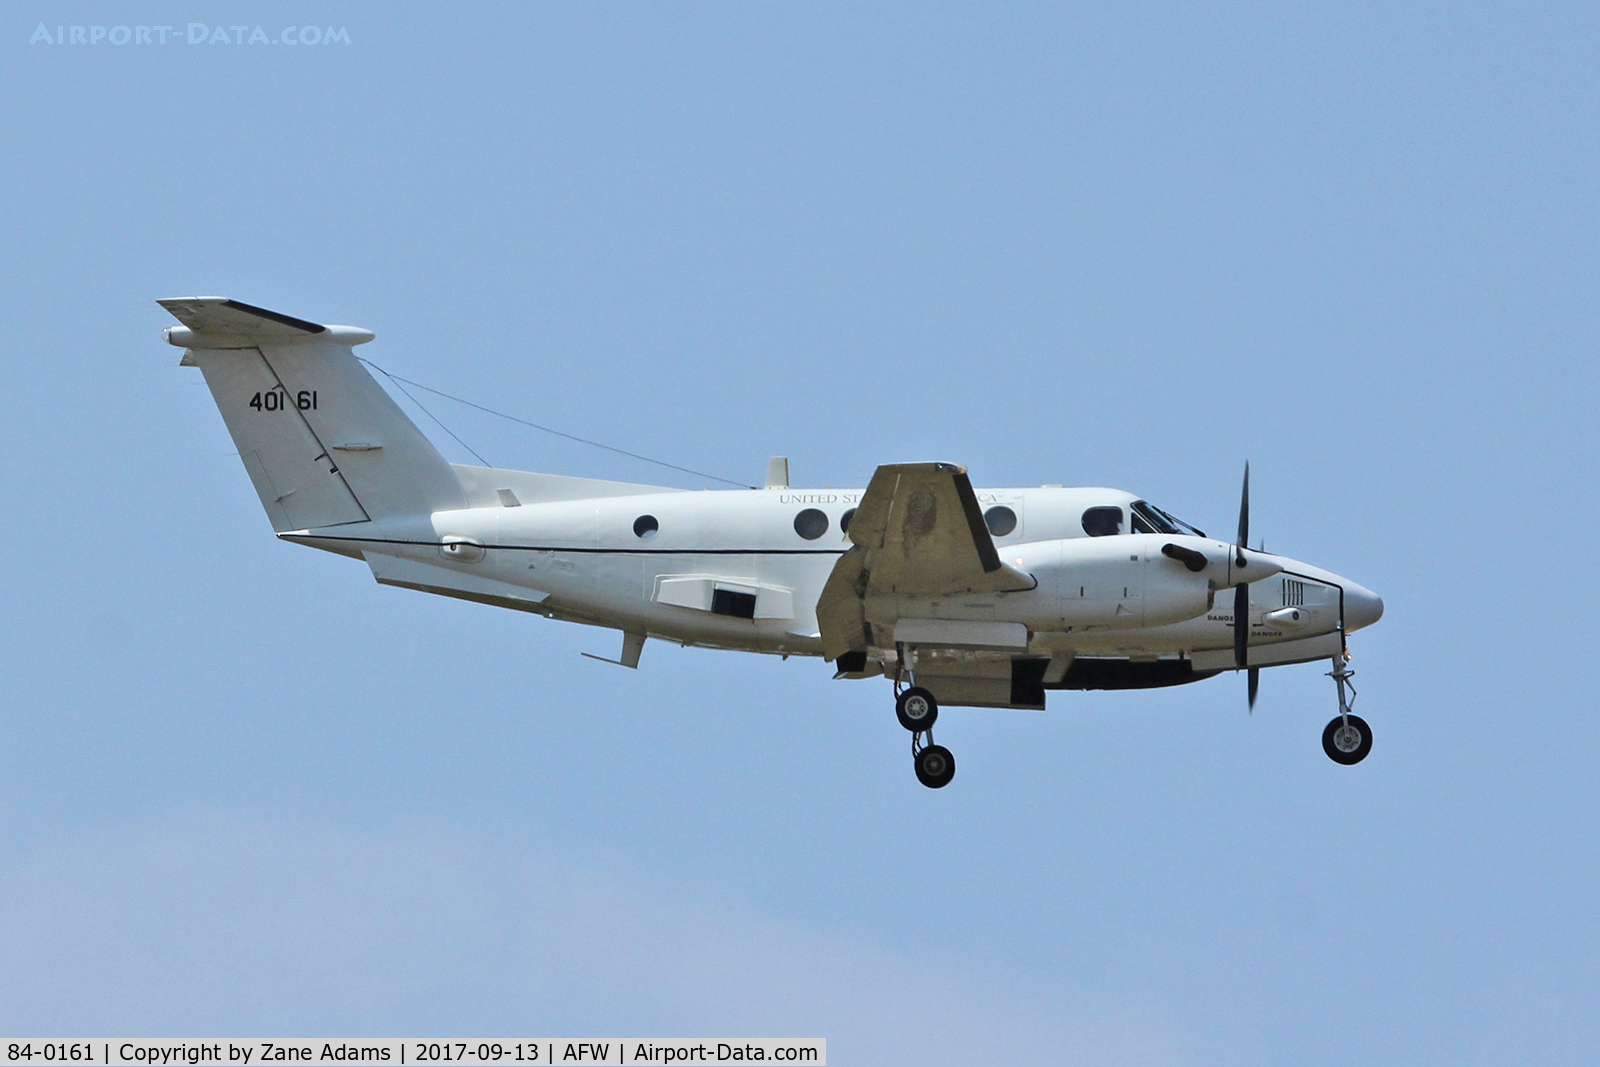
(323, 443)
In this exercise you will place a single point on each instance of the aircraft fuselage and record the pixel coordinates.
(743, 570)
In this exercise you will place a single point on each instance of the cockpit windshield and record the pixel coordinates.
(1147, 518)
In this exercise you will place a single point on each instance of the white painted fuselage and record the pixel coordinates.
(732, 569)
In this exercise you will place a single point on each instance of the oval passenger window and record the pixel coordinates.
(1000, 519)
(811, 524)
(844, 520)
(645, 526)
(1102, 522)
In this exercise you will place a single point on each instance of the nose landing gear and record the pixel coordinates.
(1348, 738)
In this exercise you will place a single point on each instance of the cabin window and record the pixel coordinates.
(1000, 519)
(645, 526)
(1102, 522)
(728, 602)
(844, 520)
(810, 524)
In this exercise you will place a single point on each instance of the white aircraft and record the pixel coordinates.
(980, 598)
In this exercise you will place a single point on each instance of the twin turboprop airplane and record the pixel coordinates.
(960, 596)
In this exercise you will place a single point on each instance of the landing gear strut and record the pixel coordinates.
(1348, 738)
(917, 710)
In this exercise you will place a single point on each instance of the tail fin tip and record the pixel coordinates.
(218, 322)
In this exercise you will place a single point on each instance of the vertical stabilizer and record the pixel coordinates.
(323, 443)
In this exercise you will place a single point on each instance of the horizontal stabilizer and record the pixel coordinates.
(217, 322)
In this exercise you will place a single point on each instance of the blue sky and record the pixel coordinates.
(248, 791)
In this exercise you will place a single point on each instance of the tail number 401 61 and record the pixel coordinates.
(275, 400)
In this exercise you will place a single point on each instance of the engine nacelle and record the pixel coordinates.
(1128, 581)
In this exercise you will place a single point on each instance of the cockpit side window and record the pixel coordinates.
(1102, 522)
(1147, 518)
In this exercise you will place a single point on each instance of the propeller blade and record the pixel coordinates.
(1241, 594)
(1241, 625)
(1244, 517)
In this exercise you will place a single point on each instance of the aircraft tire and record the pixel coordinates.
(916, 709)
(935, 766)
(1347, 747)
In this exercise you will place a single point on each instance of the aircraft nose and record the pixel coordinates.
(1362, 607)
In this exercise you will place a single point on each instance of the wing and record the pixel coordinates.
(918, 532)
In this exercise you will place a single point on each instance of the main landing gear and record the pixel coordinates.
(1348, 738)
(916, 709)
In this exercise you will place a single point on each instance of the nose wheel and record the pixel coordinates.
(1348, 738)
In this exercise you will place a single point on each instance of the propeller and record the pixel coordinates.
(1244, 519)
(1241, 595)
(1254, 673)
